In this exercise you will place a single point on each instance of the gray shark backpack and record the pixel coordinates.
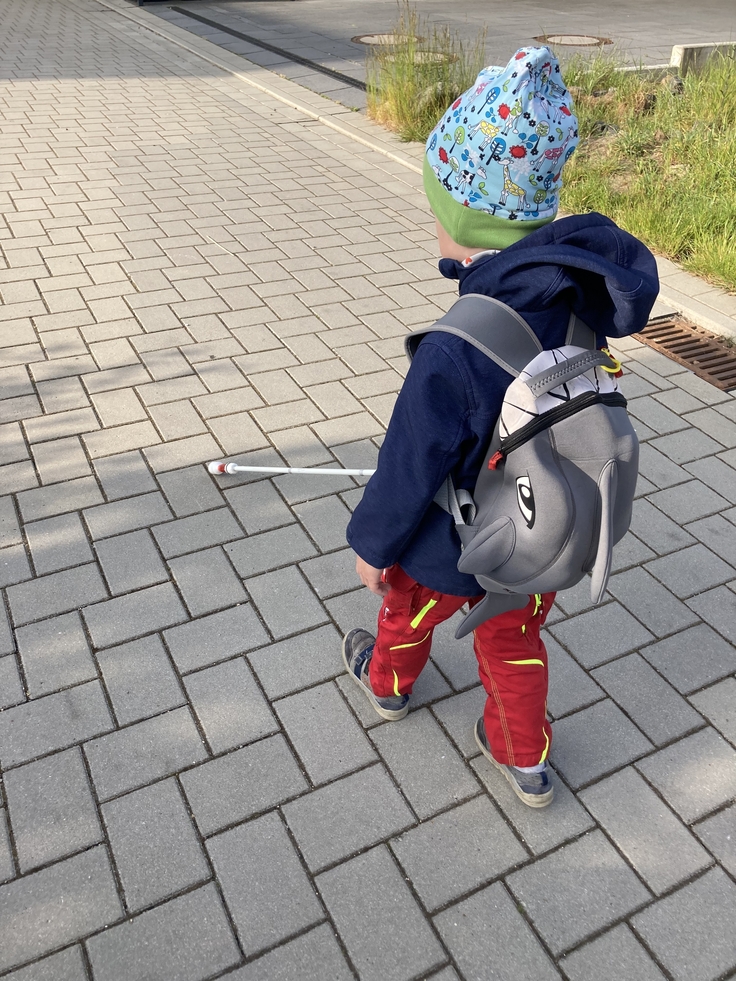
(556, 490)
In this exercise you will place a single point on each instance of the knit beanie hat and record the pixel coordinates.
(493, 163)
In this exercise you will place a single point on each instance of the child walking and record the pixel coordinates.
(492, 174)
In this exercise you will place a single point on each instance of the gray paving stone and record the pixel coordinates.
(576, 599)
(51, 809)
(355, 812)
(592, 885)
(718, 705)
(454, 658)
(14, 567)
(717, 607)
(488, 929)
(190, 491)
(594, 742)
(657, 530)
(130, 562)
(266, 889)
(645, 830)
(144, 752)
(690, 931)
(686, 446)
(688, 502)
(156, 849)
(124, 475)
(674, 658)
(241, 784)
(368, 898)
(331, 574)
(630, 551)
(80, 890)
(718, 834)
(61, 394)
(658, 468)
(312, 957)
(325, 519)
(7, 868)
(229, 705)
(324, 733)
(656, 416)
(67, 965)
(51, 723)
(60, 459)
(357, 609)
(11, 687)
(570, 688)
(188, 938)
(650, 602)
(292, 665)
(140, 679)
(457, 851)
(717, 474)
(259, 506)
(718, 534)
(712, 422)
(128, 515)
(424, 762)
(618, 953)
(647, 699)
(196, 532)
(691, 570)
(705, 754)
(133, 615)
(57, 543)
(540, 830)
(601, 634)
(214, 638)
(207, 581)
(458, 716)
(9, 527)
(269, 550)
(285, 602)
(57, 593)
(12, 444)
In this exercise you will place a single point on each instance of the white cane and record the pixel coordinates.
(219, 466)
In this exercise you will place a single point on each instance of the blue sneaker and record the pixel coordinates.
(357, 650)
(534, 789)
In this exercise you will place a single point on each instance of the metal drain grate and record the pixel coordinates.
(707, 355)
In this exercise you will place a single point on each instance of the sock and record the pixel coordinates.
(532, 769)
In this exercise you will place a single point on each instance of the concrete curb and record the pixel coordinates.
(680, 292)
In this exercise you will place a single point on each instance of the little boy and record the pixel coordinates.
(492, 174)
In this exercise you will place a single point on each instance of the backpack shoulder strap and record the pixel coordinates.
(580, 334)
(490, 325)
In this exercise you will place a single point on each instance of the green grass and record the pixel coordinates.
(662, 164)
(411, 83)
(665, 167)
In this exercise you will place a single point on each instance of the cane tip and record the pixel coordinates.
(217, 466)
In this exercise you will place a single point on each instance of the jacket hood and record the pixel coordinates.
(606, 276)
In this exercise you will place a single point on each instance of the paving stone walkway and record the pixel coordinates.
(190, 789)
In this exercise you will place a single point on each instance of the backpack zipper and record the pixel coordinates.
(548, 419)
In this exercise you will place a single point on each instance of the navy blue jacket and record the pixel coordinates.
(447, 409)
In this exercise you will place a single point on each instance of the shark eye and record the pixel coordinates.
(525, 500)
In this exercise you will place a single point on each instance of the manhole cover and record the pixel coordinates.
(708, 355)
(575, 40)
(391, 39)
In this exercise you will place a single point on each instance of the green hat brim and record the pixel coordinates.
(471, 227)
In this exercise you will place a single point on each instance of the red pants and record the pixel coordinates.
(512, 662)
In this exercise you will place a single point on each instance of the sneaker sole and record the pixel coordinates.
(531, 800)
(388, 714)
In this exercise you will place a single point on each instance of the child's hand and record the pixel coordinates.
(371, 577)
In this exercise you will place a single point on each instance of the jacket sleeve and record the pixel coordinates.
(422, 444)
